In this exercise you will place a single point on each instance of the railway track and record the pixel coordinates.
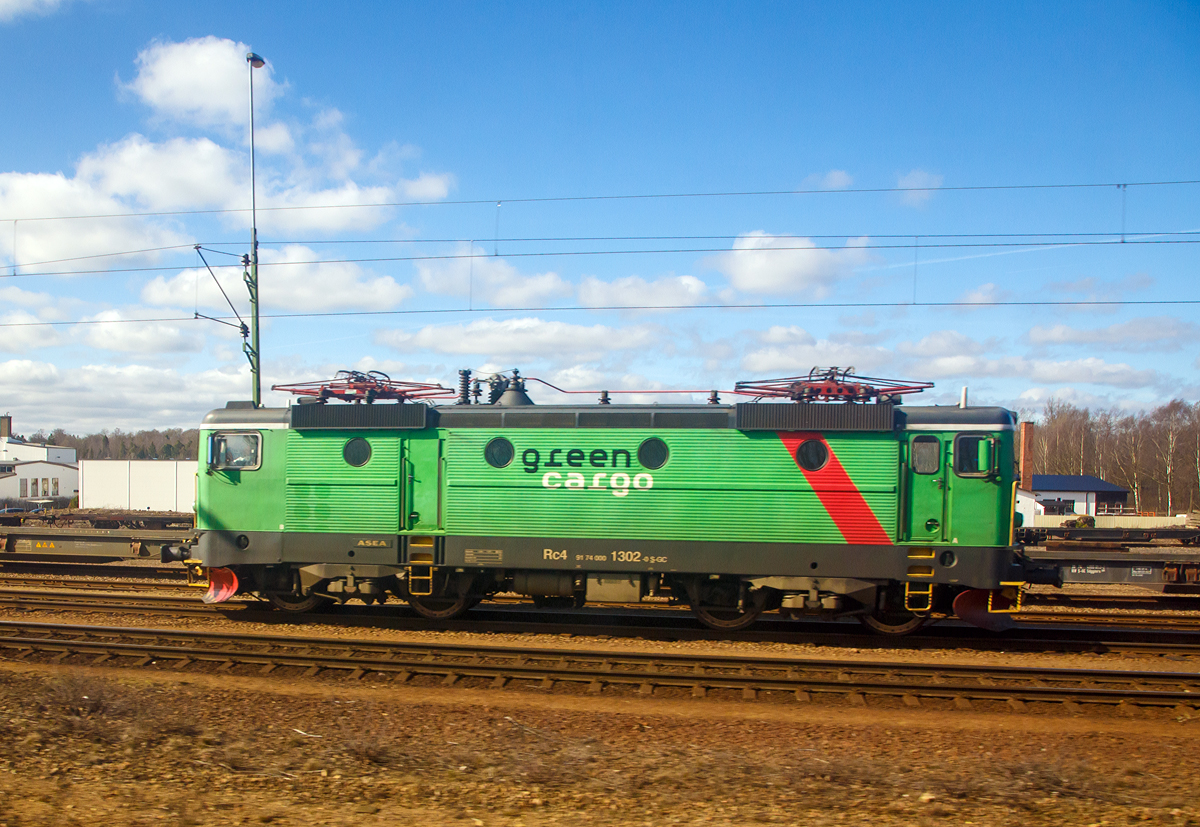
(113, 570)
(64, 593)
(514, 618)
(78, 599)
(599, 672)
(1150, 620)
(97, 584)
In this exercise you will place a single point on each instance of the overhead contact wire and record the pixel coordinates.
(625, 307)
(674, 251)
(621, 197)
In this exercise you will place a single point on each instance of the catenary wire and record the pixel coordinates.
(624, 307)
(675, 251)
(620, 197)
(211, 245)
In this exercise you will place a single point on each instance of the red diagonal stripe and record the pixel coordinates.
(838, 493)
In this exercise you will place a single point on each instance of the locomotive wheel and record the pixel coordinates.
(725, 619)
(894, 623)
(442, 608)
(289, 602)
(718, 606)
(453, 595)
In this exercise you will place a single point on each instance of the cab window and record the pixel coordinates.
(973, 455)
(926, 455)
(240, 451)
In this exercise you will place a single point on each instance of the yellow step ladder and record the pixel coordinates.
(918, 597)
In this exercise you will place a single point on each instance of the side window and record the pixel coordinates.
(240, 451)
(973, 455)
(926, 455)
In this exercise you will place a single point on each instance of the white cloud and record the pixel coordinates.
(859, 337)
(1152, 333)
(24, 298)
(793, 350)
(180, 173)
(1037, 397)
(287, 280)
(274, 137)
(338, 153)
(202, 81)
(835, 179)
(488, 279)
(1094, 288)
(44, 194)
(1091, 370)
(764, 263)
(939, 343)
(635, 291)
(984, 294)
(427, 186)
(790, 335)
(305, 185)
(920, 185)
(12, 9)
(625, 388)
(27, 335)
(148, 338)
(106, 396)
(340, 202)
(510, 339)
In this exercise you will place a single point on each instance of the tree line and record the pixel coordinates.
(1155, 454)
(172, 443)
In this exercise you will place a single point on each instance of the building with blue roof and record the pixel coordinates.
(1078, 494)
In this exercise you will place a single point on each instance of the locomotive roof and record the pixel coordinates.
(743, 416)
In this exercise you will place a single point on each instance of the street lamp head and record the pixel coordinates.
(255, 61)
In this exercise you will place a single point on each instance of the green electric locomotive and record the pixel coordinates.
(889, 513)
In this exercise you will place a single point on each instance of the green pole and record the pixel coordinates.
(253, 62)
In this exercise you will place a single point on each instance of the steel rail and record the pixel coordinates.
(647, 671)
(75, 599)
(97, 584)
(124, 603)
(1151, 620)
(114, 570)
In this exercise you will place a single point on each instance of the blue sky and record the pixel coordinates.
(127, 107)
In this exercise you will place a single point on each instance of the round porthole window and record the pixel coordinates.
(812, 455)
(499, 452)
(653, 453)
(357, 452)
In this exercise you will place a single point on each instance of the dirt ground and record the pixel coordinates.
(95, 746)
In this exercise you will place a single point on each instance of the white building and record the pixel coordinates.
(34, 470)
(37, 480)
(1070, 494)
(138, 484)
(1028, 506)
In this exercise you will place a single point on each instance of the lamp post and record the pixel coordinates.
(253, 62)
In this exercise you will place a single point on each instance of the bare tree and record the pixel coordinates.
(1168, 426)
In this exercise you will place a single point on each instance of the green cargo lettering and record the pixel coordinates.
(531, 458)
(619, 482)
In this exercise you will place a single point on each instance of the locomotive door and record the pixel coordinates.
(927, 486)
(422, 502)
